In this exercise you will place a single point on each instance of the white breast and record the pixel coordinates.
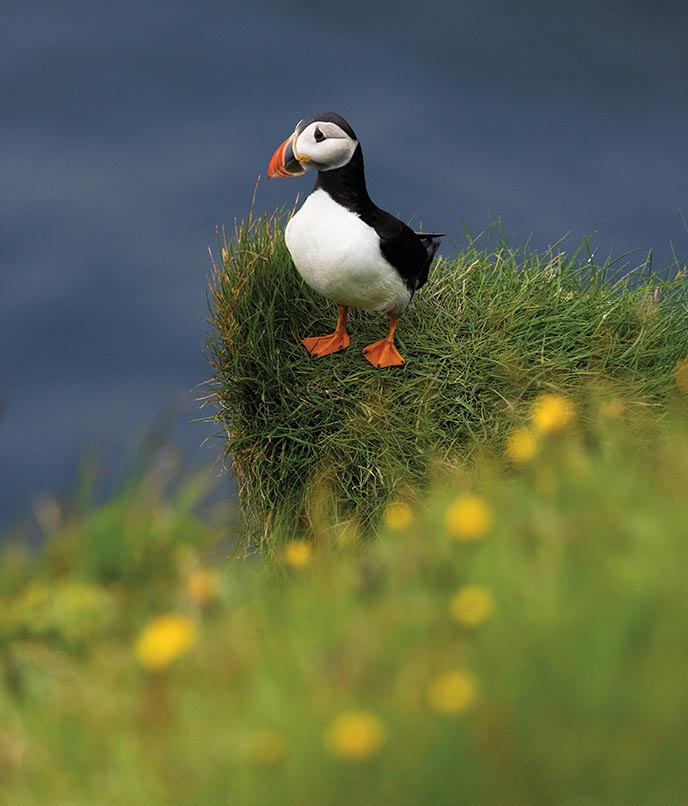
(339, 256)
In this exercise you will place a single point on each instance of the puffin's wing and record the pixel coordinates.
(401, 247)
(431, 242)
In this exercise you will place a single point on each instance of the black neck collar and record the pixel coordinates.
(347, 185)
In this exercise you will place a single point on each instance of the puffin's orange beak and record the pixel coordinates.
(284, 162)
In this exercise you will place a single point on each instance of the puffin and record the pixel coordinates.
(343, 245)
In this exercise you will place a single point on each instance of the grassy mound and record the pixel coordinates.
(492, 328)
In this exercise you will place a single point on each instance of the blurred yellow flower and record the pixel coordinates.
(202, 586)
(471, 605)
(163, 640)
(452, 692)
(398, 516)
(521, 446)
(681, 375)
(298, 554)
(267, 747)
(468, 518)
(552, 413)
(355, 735)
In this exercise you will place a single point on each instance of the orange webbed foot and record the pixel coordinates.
(383, 354)
(326, 345)
(335, 342)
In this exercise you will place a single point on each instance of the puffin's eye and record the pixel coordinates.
(318, 136)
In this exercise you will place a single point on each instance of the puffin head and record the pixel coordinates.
(322, 142)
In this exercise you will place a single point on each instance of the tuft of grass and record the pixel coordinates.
(493, 327)
(134, 539)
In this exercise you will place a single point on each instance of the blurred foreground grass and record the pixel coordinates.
(517, 634)
(472, 570)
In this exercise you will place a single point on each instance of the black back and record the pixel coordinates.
(409, 253)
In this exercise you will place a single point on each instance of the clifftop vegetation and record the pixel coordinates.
(471, 586)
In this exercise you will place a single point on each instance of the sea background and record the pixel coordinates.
(129, 131)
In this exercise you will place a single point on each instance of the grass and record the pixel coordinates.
(494, 327)
(515, 633)
(348, 670)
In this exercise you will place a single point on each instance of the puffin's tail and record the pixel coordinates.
(431, 242)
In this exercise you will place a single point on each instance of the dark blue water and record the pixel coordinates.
(129, 130)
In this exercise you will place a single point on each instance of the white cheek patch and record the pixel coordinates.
(333, 152)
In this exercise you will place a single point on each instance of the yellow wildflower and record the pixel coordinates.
(681, 376)
(398, 516)
(298, 554)
(471, 605)
(468, 518)
(552, 413)
(163, 640)
(355, 735)
(267, 747)
(202, 586)
(521, 446)
(452, 692)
